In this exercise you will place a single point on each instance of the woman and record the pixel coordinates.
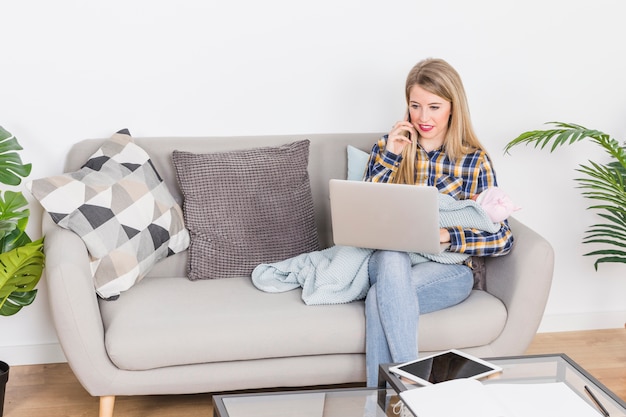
(435, 145)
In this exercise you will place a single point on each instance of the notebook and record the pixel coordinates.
(385, 216)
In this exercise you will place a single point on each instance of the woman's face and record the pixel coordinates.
(429, 114)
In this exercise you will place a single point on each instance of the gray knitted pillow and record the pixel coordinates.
(246, 207)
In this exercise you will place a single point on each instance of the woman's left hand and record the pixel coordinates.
(444, 236)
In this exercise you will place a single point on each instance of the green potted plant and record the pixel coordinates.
(604, 184)
(21, 260)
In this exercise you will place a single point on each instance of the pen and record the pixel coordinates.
(598, 403)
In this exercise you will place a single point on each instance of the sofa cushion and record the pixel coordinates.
(246, 207)
(477, 321)
(118, 204)
(222, 320)
(230, 320)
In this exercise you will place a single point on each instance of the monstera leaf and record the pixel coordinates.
(21, 261)
(12, 170)
(20, 271)
(13, 220)
(13, 205)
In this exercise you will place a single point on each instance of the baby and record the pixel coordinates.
(496, 203)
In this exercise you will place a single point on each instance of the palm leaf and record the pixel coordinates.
(611, 256)
(566, 134)
(616, 222)
(604, 184)
(606, 234)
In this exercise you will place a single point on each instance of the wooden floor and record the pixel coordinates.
(53, 391)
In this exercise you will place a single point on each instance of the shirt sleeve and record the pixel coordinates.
(382, 164)
(476, 242)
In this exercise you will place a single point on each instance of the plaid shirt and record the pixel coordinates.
(462, 179)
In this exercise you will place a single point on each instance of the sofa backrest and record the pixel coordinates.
(327, 159)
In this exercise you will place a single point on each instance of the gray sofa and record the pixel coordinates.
(170, 335)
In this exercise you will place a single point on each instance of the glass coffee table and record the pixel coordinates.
(342, 402)
(536, 369)
(372, 402)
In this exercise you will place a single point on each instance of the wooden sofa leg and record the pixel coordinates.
(106, 405)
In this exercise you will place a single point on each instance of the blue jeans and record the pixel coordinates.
(399, 293)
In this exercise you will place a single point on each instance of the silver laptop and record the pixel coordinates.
(385, 216)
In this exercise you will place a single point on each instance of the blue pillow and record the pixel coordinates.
(357, 163)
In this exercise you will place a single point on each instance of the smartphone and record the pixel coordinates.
(444, 366)
(408, 119)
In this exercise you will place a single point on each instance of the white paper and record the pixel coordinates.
(470, 398)
(549, 399)
(458, 397)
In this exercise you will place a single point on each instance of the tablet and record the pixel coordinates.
(444, 366)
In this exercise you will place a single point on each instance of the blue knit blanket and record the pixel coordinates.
(339, 274)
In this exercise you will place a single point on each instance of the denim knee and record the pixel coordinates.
(385, 260)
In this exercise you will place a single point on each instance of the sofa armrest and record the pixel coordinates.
(522, 280)
(74, 307)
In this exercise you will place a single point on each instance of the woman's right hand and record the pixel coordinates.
(398, 139)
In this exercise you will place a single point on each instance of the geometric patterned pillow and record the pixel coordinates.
(121, 208)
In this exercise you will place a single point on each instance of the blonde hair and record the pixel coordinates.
(440, 78)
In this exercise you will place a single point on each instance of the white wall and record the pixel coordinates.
(83, 69)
